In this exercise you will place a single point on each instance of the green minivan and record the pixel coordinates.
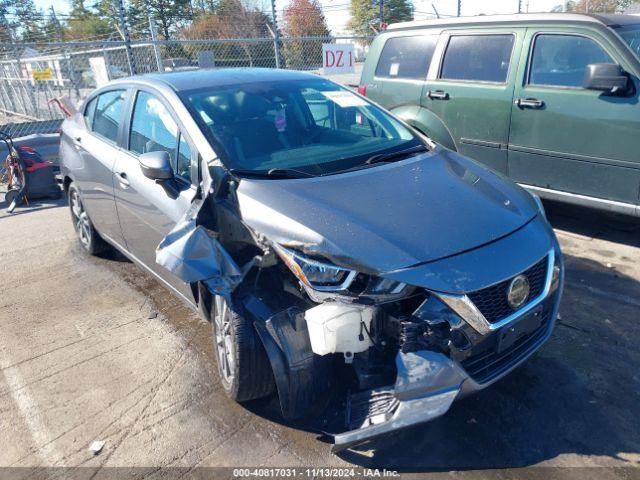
(549, 100)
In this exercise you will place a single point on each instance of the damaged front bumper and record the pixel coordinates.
(429, 382)
(426, 386)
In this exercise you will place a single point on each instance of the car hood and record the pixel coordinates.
(390, 216)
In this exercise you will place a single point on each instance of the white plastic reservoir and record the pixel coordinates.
(339, 328)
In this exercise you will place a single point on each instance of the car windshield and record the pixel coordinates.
(309, 127)
(631, 35)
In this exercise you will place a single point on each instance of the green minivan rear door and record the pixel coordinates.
(564, 137)
(401, 70)
(471, 90)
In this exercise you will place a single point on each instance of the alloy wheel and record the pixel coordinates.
(224, 341)
(80, 219)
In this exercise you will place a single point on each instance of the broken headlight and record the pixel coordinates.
(317, 274)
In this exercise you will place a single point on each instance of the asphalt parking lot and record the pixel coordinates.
(94, 349)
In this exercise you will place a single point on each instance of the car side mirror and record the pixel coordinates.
(157, 166)
(606, 77)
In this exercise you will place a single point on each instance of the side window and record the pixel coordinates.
(108, 114)
(561, 60)
(481, 58)
(406, 57)
(89, 112)
(152, 127)
(183, 163)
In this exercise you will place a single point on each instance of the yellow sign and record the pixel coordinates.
(44, 74)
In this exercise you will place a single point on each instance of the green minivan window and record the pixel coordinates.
(480, 58)
(561, 60)
(406, 57)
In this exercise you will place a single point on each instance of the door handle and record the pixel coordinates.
(533, 103)
(122, 178)
(77, 142)
(438, 95)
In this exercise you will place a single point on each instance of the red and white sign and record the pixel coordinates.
(337, 58)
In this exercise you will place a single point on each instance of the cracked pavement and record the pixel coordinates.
(95, 349)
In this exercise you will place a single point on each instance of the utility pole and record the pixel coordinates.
(275, 33)
(125, 36)
(154, 40)
(519, 6)
(380, 14)
(72, 73)
(459, 8)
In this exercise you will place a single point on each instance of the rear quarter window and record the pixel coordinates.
(406, 57)
(108, 114)
(480, 58)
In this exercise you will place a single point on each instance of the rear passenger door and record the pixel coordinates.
(402, 70)
(147, 214)
(470, 89)
(94, 154)
(564, 137)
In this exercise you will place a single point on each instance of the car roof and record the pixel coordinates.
(608, 20)
(206, 78)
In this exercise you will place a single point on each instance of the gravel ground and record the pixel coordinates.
(94, 349)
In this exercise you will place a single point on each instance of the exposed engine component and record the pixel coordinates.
(420, 335)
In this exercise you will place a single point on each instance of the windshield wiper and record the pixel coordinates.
(272, 173)
(391, 156)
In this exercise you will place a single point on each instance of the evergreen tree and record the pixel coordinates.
(84, 24)
(29, 20)
(168, 15)
(138, 16)
(365, 14)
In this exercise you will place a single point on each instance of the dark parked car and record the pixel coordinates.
(345, 261)
(549, 100)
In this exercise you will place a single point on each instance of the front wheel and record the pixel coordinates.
(87, 234)
(245, 371)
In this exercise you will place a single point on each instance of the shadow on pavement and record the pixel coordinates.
(33, 206)
(594, 223)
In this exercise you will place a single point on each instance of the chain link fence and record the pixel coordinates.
(33, 77)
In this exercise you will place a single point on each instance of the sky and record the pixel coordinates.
(336, 11)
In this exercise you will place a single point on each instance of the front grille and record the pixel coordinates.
(488, 363)
(492, 301)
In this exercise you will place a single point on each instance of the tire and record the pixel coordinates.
(243, 366)
(10, 196)
(87, 235)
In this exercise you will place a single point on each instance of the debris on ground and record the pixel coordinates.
(97, 446)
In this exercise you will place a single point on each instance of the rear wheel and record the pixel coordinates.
(245, 371)
(87, 234)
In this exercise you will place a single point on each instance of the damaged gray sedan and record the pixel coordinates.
(364, 275)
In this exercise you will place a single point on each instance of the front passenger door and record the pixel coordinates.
(147, 214)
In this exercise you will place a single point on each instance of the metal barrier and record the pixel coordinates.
(31, 78)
